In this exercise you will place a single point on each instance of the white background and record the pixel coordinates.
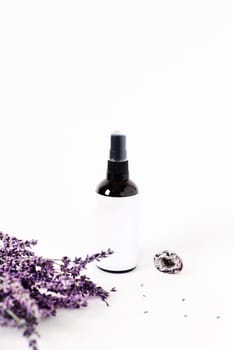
(161, 71)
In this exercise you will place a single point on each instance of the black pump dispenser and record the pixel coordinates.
(118, 163)
(118, 147)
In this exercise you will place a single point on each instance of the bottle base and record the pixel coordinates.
(122, 271)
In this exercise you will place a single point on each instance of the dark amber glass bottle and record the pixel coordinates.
(117, 212)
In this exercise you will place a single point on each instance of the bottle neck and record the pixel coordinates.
(118, 171)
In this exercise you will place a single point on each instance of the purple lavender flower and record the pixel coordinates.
(33, 288)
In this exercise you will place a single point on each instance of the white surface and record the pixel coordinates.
(70, 73)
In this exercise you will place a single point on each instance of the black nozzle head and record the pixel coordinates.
(118, 147)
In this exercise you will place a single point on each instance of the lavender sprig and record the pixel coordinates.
(32, 288)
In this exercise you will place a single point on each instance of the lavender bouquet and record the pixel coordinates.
(32, 288)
